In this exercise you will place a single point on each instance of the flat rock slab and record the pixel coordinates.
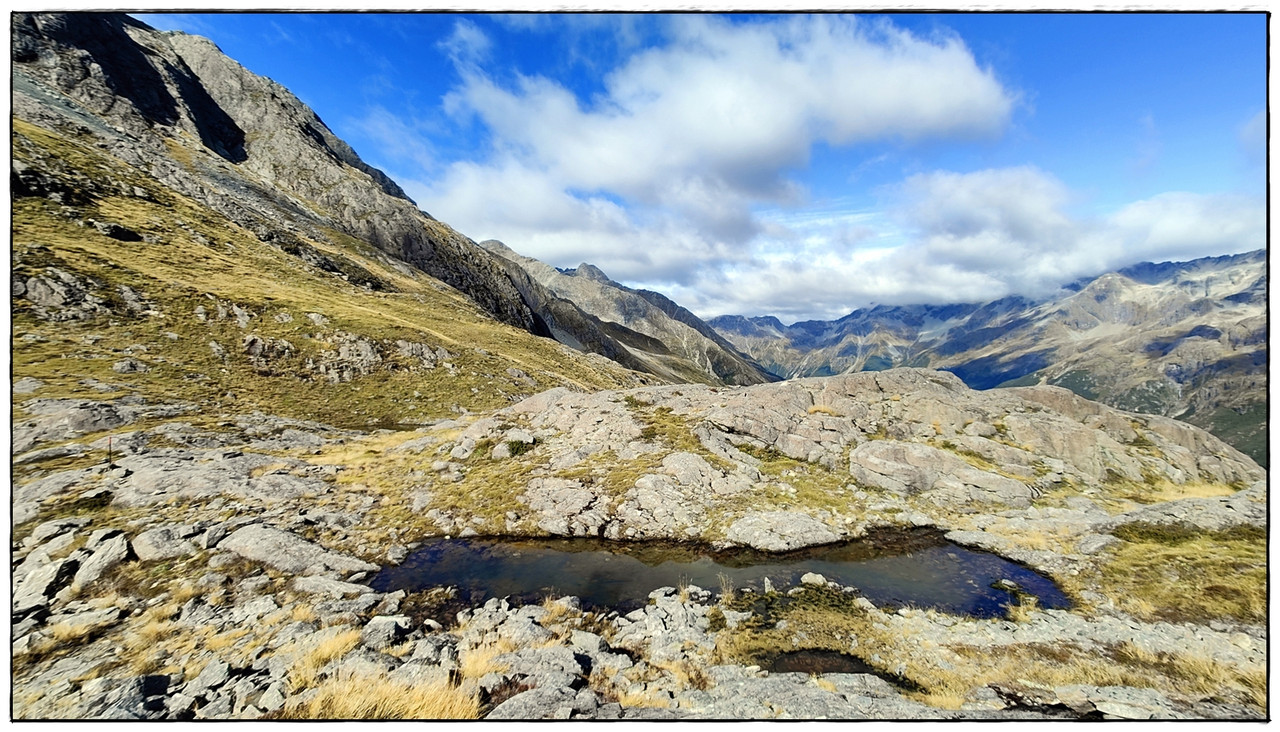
(290, 553)
(165, 542)
(780, 531)
(327, 586)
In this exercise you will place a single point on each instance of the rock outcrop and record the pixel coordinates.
(173, 105)
(901, 447)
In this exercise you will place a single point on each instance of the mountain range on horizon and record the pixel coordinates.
(1182, 339)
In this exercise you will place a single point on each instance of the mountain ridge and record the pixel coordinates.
(288, 178)
(1182, 339)
(692, 350)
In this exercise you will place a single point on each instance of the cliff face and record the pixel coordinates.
(175, 106)
(200, 228)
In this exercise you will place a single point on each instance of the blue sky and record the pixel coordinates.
(800, 165)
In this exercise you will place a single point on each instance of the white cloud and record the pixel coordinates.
(396, 139)
(713, 121)
(730, 108)
(467, 45)
(1174, 226)
(974, 237)
(677, 177)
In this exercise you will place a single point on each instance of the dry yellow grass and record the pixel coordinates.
(474, 663)
(647, 699)
(153, 631)
(1023, 610)
(184, 592)
(227, 640)
(828, 621)
(824, 409)
(307, 668)
(686, 674)
(557, 612)
(1166, 574)
(378, 697)
(728, 593)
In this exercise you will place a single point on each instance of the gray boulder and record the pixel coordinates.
(539, 703)
(384, 631)
(38, 587)
(106, 555)
(290, 553)
(780, 531)
(165, 542)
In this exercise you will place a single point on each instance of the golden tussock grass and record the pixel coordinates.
(557, 612)
(828, 622)
(184, 592)
(1166, 573)
(474, 663)
(1022, 611)
(378, 697)
(728, 593)
(230, 639)
(306, 669)
(648, 699)
(686, 674)
(1062, 664)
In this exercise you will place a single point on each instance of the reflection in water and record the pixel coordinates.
(915, 568)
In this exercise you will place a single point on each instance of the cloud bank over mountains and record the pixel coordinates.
(680, 174)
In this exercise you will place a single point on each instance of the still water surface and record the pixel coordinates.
(919, 569)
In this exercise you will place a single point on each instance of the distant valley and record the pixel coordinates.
(1181, 339)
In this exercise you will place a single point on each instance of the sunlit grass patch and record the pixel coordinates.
(379, 697)
(1180, 574)
(190, 256)
(306, 670)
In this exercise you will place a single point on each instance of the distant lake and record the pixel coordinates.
(891, 569)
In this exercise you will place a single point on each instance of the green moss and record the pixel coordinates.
(1178, 534)
(516, 447)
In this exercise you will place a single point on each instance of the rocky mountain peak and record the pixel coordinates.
(591, 272)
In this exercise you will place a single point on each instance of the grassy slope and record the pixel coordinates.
(195, 257)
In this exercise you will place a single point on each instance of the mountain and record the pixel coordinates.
(667, 339)
(200, 125)
(1181, 339)
(186, 230)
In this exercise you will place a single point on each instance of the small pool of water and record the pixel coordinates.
(917, 568)
(813, 661)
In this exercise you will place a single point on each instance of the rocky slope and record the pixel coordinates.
(221, 571)
(1186, 340)
(686, 349)
(203, 127)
